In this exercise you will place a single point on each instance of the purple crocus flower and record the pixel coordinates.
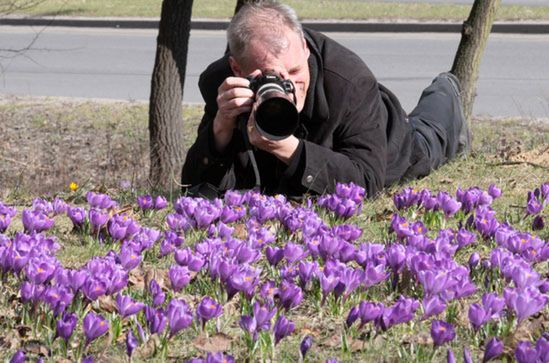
(449, 205)
(160, 202)
(157, 294)
(97, 218)
(179, 316)
(18, 357)
(127, 306)
(208, 309)
(305, 345)
(542, 347)
(494, 348)
(442, 332)
(156, 320)
(274, 255)
(131, 343)
(450, 357)
(477, 316)
(93, 288)
(94, 326)
(39, 271)
(525, 302)
(533, 205)
(396, 257)
(525, 353)
(293, 252)
(282, 328)
(249, 325)
(494, 191)
(464, 238)
(65, 326)
(36, 221)
(369, 311)
(263, 316)
(179, 277)
(122, 227)
(401, 312)
(352, 316)
(467, 355)
(129, 258)
(432, 305)
(145, 202)
(77, 215)
(219, 357)
(474, 260)
(99, 200)
(306, 270)
(290, 294)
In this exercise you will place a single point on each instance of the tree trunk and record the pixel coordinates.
(239, 4)
(474, 36)
(165, 108)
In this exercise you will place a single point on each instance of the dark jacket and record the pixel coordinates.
(352, 129)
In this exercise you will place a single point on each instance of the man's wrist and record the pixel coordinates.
(287, 150)
(222, 136)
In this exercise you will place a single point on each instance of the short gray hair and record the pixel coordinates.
(265, 20)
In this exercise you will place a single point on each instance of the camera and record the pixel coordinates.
(276, 114)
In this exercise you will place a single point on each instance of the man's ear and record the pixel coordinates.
(237, 71)
(306, 47)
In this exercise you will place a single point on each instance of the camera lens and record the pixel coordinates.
(276, 115)
(276, 118)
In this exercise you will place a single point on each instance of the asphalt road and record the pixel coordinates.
(117, 64)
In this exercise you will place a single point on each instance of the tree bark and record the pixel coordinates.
(239, 4)
(474, 37)
(168, 80)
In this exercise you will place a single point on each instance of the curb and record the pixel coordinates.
(323, 26)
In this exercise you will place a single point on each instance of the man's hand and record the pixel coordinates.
(283, 149)
(233, 98)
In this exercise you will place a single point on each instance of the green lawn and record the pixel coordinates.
(307, 9)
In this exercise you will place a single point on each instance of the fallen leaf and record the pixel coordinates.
(36, 347)
(419, 338)
(147, 350)
(332, 342)
(216, 343)
(107, 303)
(137, 279)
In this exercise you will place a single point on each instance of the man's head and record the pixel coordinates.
(267, 36)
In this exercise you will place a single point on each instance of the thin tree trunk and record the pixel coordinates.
(165, 108)
(474, 37)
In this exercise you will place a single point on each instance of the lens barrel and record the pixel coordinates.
(276, 114)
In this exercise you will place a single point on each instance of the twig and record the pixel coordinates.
(15, 161)
(505, 163)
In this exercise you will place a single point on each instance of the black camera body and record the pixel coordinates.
(276, 114)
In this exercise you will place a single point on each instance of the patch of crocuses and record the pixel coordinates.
(263, 273)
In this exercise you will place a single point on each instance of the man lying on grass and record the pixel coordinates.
(291, 111)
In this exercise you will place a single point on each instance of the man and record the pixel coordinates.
(351, 128)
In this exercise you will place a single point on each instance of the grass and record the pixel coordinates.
(307, 9)
(508, 153)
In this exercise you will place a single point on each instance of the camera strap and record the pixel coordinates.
(243, 120)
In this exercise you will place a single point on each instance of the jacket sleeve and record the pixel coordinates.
(359, 143)
(204, 164)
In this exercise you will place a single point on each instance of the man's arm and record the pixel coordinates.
(204, 163)
(359, 144)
